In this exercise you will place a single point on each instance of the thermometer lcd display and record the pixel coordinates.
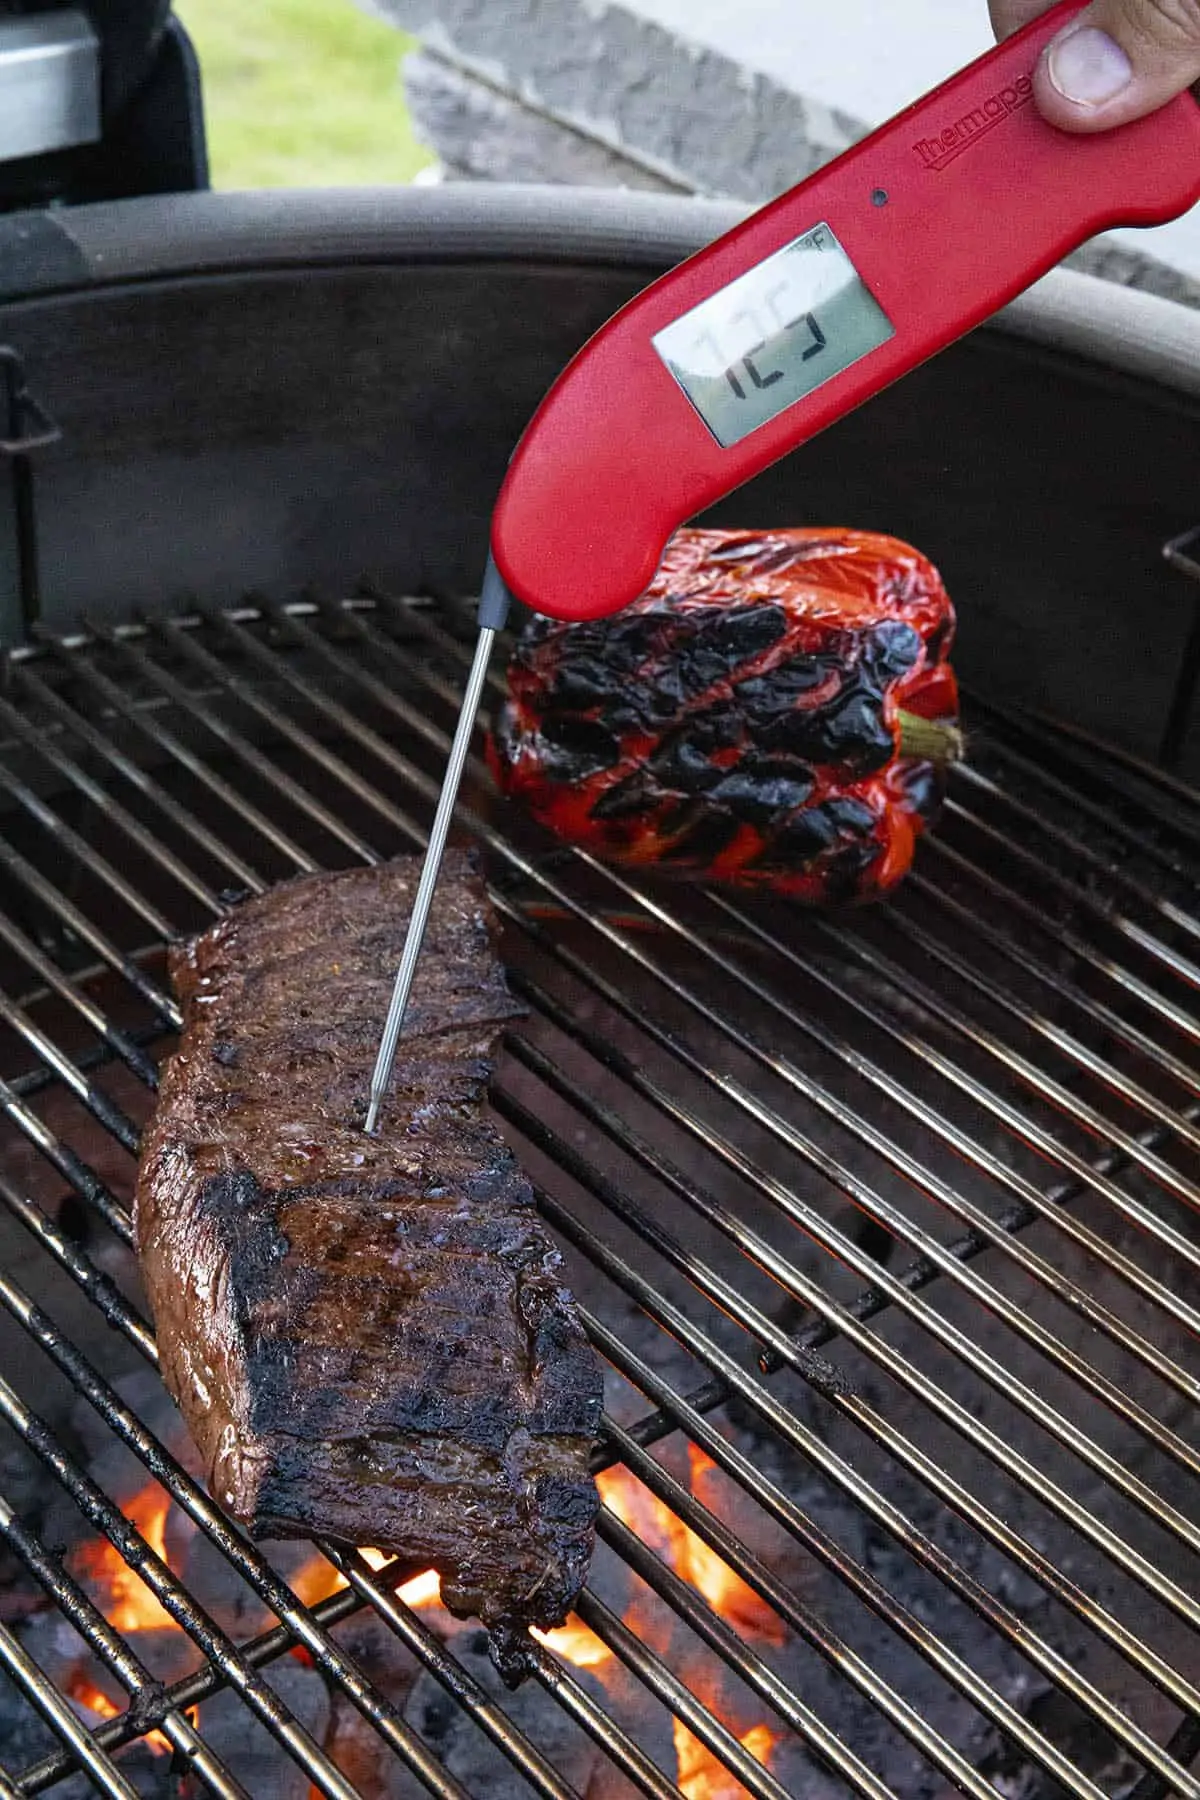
(774, 335)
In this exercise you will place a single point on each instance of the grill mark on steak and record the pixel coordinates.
(368, 1337)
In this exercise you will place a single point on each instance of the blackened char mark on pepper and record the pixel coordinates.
(642, 670)
(924, 788)
(575, 748)
(832, 707)
(764, 787)
(695, 833)
(752, 692)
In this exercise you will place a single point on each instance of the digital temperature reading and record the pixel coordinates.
(775, 334)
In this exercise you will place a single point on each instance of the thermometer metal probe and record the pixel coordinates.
(799, 314)
(493, 611)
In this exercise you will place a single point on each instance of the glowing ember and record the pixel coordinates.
(89, 1698)
(703, 1777)
(725, 1592)
(687, 1554)
(124, 1598)
(317, 1579)
(422, 1590)
(575, 1644)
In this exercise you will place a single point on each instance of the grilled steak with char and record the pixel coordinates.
(369, 1338)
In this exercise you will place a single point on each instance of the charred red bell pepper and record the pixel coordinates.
(776, 711)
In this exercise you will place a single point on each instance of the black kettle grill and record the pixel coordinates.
(885, 1226)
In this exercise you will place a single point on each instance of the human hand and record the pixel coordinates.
(1115, 61)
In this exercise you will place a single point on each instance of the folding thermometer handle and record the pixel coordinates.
(815, 303)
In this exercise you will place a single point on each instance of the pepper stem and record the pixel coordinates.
(929, 739)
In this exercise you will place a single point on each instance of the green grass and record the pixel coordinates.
(301, 93)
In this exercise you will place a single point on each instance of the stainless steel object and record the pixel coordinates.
(995, 1070)
(49, 83)
(493, 611)
(892, 1217)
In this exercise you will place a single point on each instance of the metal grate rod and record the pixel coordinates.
(787, 1514)
(667, 1688)
(151, 846)
(102, 746)
(828, 1317)
(1084, 856)
(1109, 970)
(1059, 1097)
(57, 1712)
(333, 764)
(74, 1171)
(974, 1432)
(1106, 816)
(1081, 752)
(167, 743)
(246, 752)
(1105, 916)
(98, 1103)
(130, 1053)
(57, 904)
(738, 1381)
(1118, 1029)
(74, 847)
(117, 1655)
(1035, 1022)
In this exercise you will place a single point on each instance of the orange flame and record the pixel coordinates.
(689, 1555)
(703, 1777)
(422, 1590)
(575, 1643)
(92, 1700)
(125, 1600)
(725, 1592)
(317, 1579)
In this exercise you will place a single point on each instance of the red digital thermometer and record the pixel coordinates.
(810, 307)
(798, 315)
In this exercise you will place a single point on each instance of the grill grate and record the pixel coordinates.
(892, 1218)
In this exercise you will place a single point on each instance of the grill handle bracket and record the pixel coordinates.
(27, 427)
(1183, 553)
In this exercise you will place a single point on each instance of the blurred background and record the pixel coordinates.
(331, 93)
(302, 93)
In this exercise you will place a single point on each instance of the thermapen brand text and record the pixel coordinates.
(935, 152)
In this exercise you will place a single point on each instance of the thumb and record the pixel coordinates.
(1118, 60)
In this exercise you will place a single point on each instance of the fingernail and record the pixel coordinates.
(1088, 67)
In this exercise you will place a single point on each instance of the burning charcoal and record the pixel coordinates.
(95, 1695)
(234, 1734)
(369, 1764)
(472, 1757)
(25, 1738)
(200, 1565)
(381, 1655)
